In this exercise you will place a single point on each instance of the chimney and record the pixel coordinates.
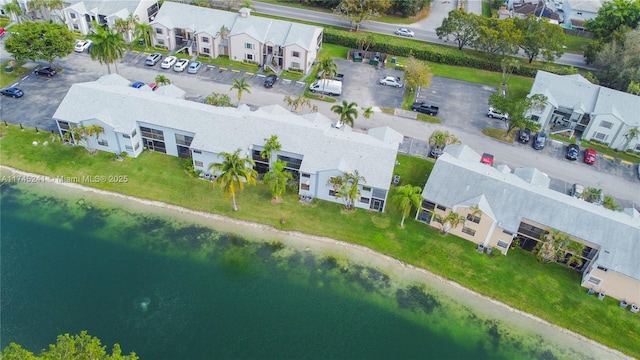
(244, 12)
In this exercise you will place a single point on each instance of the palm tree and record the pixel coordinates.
(442, 138)
(107, 46)
(591, 194)
(14, 10)
(610, 203)
(277, 179)
(632, 133)
(218, 100)
(451, 221)
(126, 27)
(162, 80)
(86, 136)
(348, 112)
(367, 112)
(296, 104)
(144, 31)
(406, 198)
(271, 145)
(328, 68)
(241, 85)
(349, 190)
(233, 172)
(223, 33)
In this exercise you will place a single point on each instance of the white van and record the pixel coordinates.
(327, 86)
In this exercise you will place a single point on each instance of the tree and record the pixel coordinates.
(508, 65)
(277, 179)
(497, 36)
(39, 41)
(539, 37)
(218, 100)
(223, 32)
(82, 346)
(144, 31)
(612, 16)
(442, 138)
(451, 221)
(618, 61)
(87, 136)
(557, 246)
(461, 25)
(348, 112)
(346, 187)
(162, 80)
(517, 110)
(632, 134)
(233, 172)
(296, 104)
(367, 112)
(634, 88)
(107, 46)
(407, 197)
(366, 40)
(610, 203)
(271, 145)
(241, 85)
(126, 27)
(416, 74)
(408, 7)
(591, 194)
(328, 68)
(358, 11)
(14, 10)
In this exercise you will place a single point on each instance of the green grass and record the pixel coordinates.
(428, 118)
(576, 44)
(8, 78)
(498, 134)
(552, 292)
(563, 139)
(333, 51)
(4, 21)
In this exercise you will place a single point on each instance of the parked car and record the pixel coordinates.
(576, 190)
(487, 159)
(495, 114)
(425, 108)
(590, 156)
(525, 136)
(153, 86)
(541, 141)
(137, 84)
(153, 59)
(180, 65)
(82, 45)
(270, 80)
(168, 62)
(573, 151)
(391, 81)
(337, 77)
(194, 66)
(48, 71)
(404, 32)
(12, 91)
(436, 151)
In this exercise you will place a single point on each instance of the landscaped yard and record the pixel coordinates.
(552, 291)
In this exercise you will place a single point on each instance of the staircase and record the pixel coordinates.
(181, 47)
(271, 65)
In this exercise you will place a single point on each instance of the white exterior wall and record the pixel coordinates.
(312, 181)
(322, 188)
(169, 134)
(238, 50)
(206, 158)
(79, 21)
(544, 115)
(576, 14)
(212, 45)
(595, 128)
(166, 39)
(289, 59)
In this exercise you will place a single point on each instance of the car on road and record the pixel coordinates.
(425, 108)
(82, 45)
(404, 32)
(137, 84)
(391, 81)
(573, 151)
(495, 114)
(180, 65)
(153, 86)
(270, 80)
(541, 141)
(168, 62)
(590, 156)
(525, 136)
(194, 66)
(153, 59)
(48, 71)
(12, 91)
(487, 159)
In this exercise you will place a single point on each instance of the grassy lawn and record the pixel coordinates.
(8, 78)
(498, 134)
(576, 44)
(333, 51)
(4, 21)
(551, 292)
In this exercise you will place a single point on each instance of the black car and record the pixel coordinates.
(48, 71)
(425, 108)
(541, 141)
(573, 151)
(436, 151)
(270, 80)
(11, 91)
(525, 136)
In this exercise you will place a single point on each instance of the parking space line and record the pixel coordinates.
(286, 80)
(223, 68)
(234, 70)
(626, 162)
(301, 82)
(211, 66)
(609, 157)
(261, 75)
(249, 73)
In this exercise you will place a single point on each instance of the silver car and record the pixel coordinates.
(153, 59)
(194, 67)
(391, 81)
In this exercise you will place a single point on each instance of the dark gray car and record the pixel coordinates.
(541, 141)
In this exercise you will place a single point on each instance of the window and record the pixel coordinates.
(602, 268)
(103, 143)
(507, 232)
(160, 42)
(128, 147)
(205, 50)
(366, 188)
(136, 146)
(332, 193)
(606, 124)
(76, 27)
(197, 152)
(306, 176)
(152, 133)
(364, 200)
(296, 54)
(594, 280)
(469, 231)
(600, 136)
(475, 219)
(248, 46)
(134, 133)
(579, 13)
(249, 57)
(198, 163)
(638, 147)
(159, 31)
(295, 65)
(183, 139)
(440, 207)
(205, 39)
(502, 244)
(63, 125)
(304, 186)
(73, 15)
(126, 136)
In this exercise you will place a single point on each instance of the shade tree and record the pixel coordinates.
(359, 11)
(540, 38)
(39, 41)
(461, 26)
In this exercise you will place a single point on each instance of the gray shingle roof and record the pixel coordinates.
(219, 129)
(105, 7)
(455, 181)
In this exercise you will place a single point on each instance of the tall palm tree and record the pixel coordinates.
(271, 145)
(144, 31)
(451, 221)
(218, 100)
(406, 198)
(328, 68)
(241, 85)
(233, 172)
(223, 34)
(277, 179)
(162, 80)
(107, 46)
(349, 190)
(348, 112)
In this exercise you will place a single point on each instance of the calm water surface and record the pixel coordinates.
(173, 290)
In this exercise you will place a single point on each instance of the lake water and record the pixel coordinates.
(170, 289)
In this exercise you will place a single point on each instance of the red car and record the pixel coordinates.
(487, 159)
(590, 156)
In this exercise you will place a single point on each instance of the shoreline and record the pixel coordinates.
(356, 253)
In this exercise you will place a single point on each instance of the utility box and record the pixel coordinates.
(357, 56)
